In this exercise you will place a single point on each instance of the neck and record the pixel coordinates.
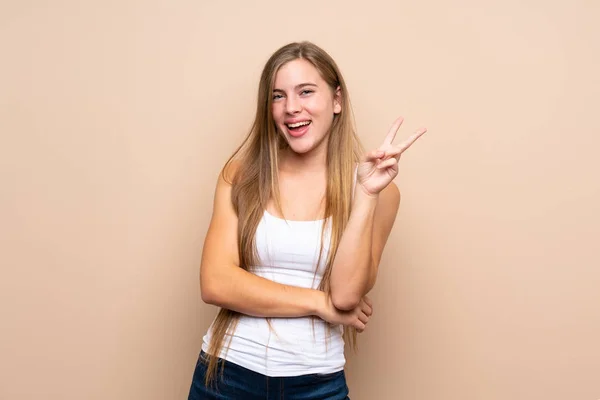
(311, 162)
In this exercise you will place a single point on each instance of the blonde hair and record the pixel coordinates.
(257, 182)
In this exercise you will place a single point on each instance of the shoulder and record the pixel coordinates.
(229, 171)
(225, 184)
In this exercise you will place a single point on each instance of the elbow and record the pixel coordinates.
(345, 301)
(346, 297)
(207, 297)
(208, 293)
(215, 287)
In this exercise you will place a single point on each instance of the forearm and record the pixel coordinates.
(239, 290)
(351, 273)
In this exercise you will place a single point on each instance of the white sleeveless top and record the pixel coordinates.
(288, 252)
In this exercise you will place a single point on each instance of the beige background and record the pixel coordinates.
(116, 116)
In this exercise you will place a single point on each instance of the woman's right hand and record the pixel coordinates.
(356, 318)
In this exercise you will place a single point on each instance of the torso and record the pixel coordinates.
(288, 253)
(288, 248)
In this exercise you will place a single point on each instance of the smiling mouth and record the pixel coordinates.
(298, 125)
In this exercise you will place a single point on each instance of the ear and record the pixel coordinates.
(337, 101)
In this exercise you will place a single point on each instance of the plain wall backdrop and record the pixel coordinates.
(116, 117)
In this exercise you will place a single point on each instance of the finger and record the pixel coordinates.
(367, 309)
(394, 152)
(359, 326)
(390, 162)
(364, 318)
(393, 130)
(368, 300)
(373, 155)
(413, 138)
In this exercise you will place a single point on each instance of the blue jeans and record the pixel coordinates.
(239, 383)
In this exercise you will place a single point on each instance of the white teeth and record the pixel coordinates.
(297, 124)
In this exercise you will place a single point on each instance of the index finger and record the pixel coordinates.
(408, 142)
(393, 130)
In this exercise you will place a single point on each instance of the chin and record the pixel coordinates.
(304, 144)
(301, 149)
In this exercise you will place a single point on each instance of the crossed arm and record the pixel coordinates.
(226, 285)
(354, 271)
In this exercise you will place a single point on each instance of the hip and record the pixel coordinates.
(237, 382)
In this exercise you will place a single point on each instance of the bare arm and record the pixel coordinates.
(374, 208)
(223, 283)
(357, 260)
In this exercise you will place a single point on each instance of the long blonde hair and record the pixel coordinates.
(257, 182)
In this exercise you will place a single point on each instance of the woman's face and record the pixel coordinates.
(303, 106)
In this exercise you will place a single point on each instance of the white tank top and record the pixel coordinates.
(288, 252)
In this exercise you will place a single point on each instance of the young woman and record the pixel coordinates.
(301, 216)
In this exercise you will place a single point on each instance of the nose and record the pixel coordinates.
(293, 105)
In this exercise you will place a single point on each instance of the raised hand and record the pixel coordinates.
(379, 167)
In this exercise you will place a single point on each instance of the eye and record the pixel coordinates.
(306, 92)
(277, 96)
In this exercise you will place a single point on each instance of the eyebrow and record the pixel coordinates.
(298, 86)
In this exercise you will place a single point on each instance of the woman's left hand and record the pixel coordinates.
(379, 167)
